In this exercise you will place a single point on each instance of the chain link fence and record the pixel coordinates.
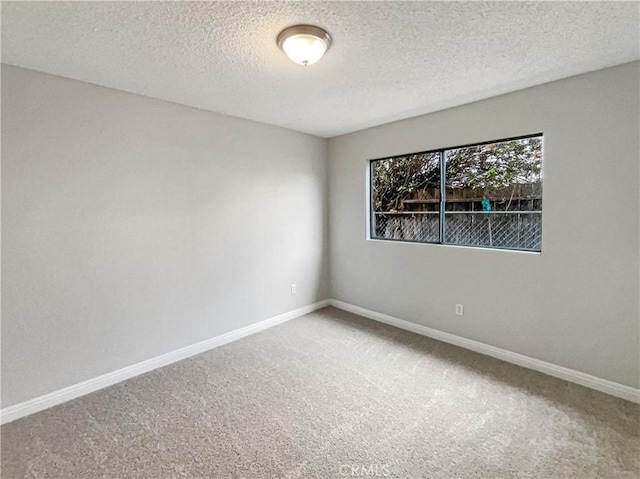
(423, 227)
(510, 229)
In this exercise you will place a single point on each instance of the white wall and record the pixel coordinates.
(576, 304)
(133, 227)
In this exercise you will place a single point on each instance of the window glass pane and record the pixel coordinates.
(405, 198)
(494, 195)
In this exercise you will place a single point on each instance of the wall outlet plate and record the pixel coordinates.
(459, 309)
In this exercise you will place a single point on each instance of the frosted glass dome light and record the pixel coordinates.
(304, 44)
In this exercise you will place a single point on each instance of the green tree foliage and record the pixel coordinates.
(399, 178)
(495, 166)
(486, 168)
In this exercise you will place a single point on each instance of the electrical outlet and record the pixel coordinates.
(459, 309)
(294, 289)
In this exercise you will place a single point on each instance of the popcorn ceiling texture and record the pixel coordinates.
(389, 60)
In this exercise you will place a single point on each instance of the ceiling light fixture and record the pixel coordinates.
(304, 44)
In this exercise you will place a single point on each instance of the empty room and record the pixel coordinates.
(320, 239)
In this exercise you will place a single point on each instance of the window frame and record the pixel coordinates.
(443, 194)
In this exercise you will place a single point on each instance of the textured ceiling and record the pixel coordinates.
(389, 60)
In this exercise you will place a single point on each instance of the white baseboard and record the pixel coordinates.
(46, 401)
(571, 375)
(60, 396)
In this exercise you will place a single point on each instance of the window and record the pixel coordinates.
(487, 195)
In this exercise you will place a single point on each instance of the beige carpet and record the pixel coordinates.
(331, 395)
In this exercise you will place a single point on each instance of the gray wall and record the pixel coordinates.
(132, 227)
(576, 304)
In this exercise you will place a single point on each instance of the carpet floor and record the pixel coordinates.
(331, 395)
